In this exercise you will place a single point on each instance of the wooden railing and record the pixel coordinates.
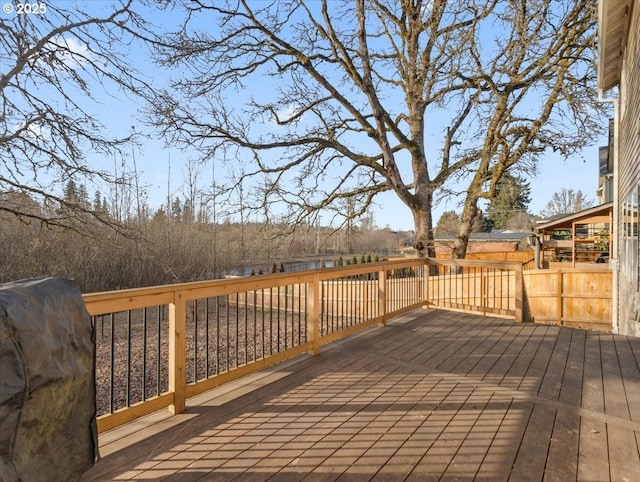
(158, 346)
(478, 286)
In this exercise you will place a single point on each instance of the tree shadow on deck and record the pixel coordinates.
(432, 395)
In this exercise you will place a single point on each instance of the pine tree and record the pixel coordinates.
(513, 195)
(448, 223)
(70, 194)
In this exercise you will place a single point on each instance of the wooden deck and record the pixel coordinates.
(434, 395)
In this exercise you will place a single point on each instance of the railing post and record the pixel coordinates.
(313, 320)
(519, 294)
(484, 292)
(425, 281)
(365, 300)
(382, 296)
(177, 351)
(560, 301)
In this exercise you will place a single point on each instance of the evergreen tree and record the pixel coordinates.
(83, 197)
(176, 209)
(482, 224)
(70, 194)
(513, 195)
(448, 223)
(97, 202)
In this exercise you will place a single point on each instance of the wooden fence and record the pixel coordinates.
(577, 298)
(522, 256)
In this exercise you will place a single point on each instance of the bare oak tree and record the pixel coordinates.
(345, 100)
(58, 64)
(566, 201)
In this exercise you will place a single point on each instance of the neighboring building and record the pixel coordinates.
(495, 241)
(619, 66)
(576, 240)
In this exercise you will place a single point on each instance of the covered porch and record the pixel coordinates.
(433, 395)
(576, 240)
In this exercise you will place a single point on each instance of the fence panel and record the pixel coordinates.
(576, 298)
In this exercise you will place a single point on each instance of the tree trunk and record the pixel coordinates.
(469, 214)
(423, 221)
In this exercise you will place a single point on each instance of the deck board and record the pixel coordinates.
(614, 395)
(434, 395)
(555, 367)
(593, 454)
(515, 376)
(534, 447)
(630, 376)
(562, 460)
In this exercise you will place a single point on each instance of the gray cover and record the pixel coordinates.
(47, 382)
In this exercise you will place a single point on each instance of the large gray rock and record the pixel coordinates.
(47, 383)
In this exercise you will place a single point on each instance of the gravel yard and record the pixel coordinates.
(136, 345)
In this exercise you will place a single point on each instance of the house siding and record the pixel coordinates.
(629, 182)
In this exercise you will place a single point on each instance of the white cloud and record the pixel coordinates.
(35, 129)
(70, 52)
(286, 113)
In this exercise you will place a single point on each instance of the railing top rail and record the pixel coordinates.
(163, 294)
(110, 301)
(336, 272)
(148, 296)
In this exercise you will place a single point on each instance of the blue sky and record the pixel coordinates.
(119, 113)
(555, 173)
